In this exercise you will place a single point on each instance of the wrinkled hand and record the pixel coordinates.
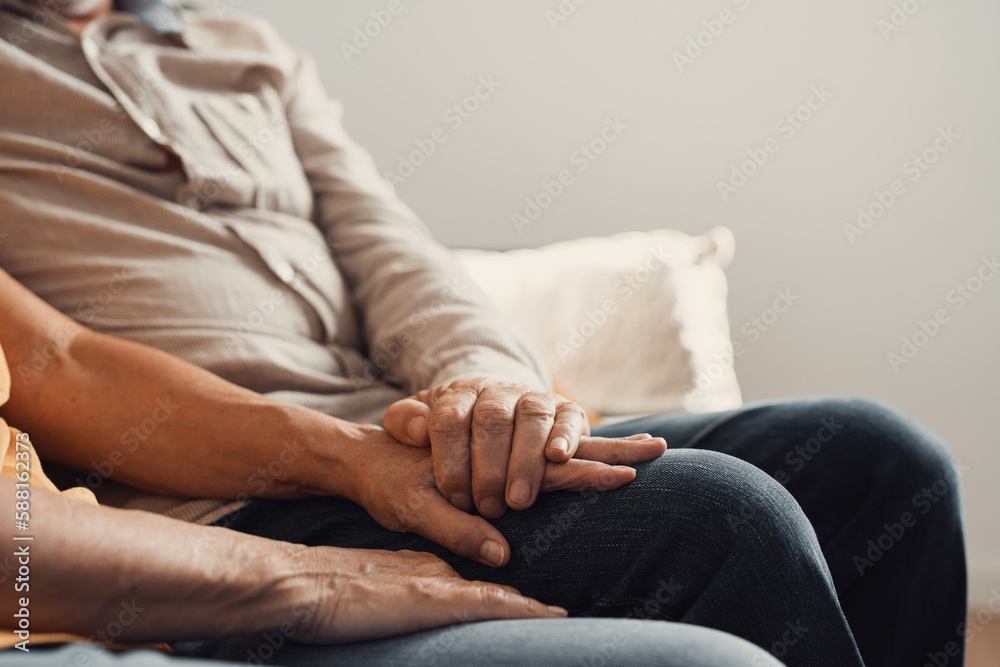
(491, 441)
(361, 594)
(395, 483)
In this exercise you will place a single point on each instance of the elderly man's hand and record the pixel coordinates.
(490, 441)
(353, 595)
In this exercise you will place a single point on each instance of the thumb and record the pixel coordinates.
(459, 532)
(406, 421)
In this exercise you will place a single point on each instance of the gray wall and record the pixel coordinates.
(892, 90)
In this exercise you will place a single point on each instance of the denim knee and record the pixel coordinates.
(719, 523)
(886, 448)
(704, 492)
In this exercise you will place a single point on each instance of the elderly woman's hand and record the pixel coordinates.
(491, 441)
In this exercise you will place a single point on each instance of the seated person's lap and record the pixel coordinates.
(562, 643)
(657, 547)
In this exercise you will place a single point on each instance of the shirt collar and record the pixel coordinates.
(157, 14)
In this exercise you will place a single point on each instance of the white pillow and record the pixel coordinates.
(629, 324)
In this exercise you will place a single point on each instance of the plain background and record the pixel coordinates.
(892, 90)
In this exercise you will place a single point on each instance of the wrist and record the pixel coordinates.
(333, 457)
(265, 595)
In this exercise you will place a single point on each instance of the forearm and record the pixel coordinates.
(160, 424)
(170, 427)
(148, 419)
(157, 578)
(426, 321)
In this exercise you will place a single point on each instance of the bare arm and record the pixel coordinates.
(164, 425)
(159, 579)
(91, 397)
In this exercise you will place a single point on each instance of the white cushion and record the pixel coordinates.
(633, 323)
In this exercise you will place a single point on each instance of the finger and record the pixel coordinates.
(570, 423)
(406, 421)
(534, 417)
(580, 475)
(492, 432)
(620, 450)
(510, 589)
(449, 426)
(421, 601)
(483, 601)
(458, 531)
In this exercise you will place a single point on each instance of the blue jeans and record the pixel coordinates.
(813, 528)
(578, 642)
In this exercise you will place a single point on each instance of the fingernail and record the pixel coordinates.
(624, 468)
(491, 507)
(520, 492)
(492, 552)
(557, 611)
(416, 428)
(560, 444)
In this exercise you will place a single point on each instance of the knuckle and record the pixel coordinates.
(450, 482)
(431, 564)
(494, 416)
(408, 513)
(456, 536)
(573, 410)
(492, 596)
(395, 523)
(409, 554)
(448, 420)
(427, 588)
(402, 521)
(439, 566)
(617, 456)
(455, 465)
(535, 407)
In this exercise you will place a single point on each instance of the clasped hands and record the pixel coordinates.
(486, 445)
(468, 445)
